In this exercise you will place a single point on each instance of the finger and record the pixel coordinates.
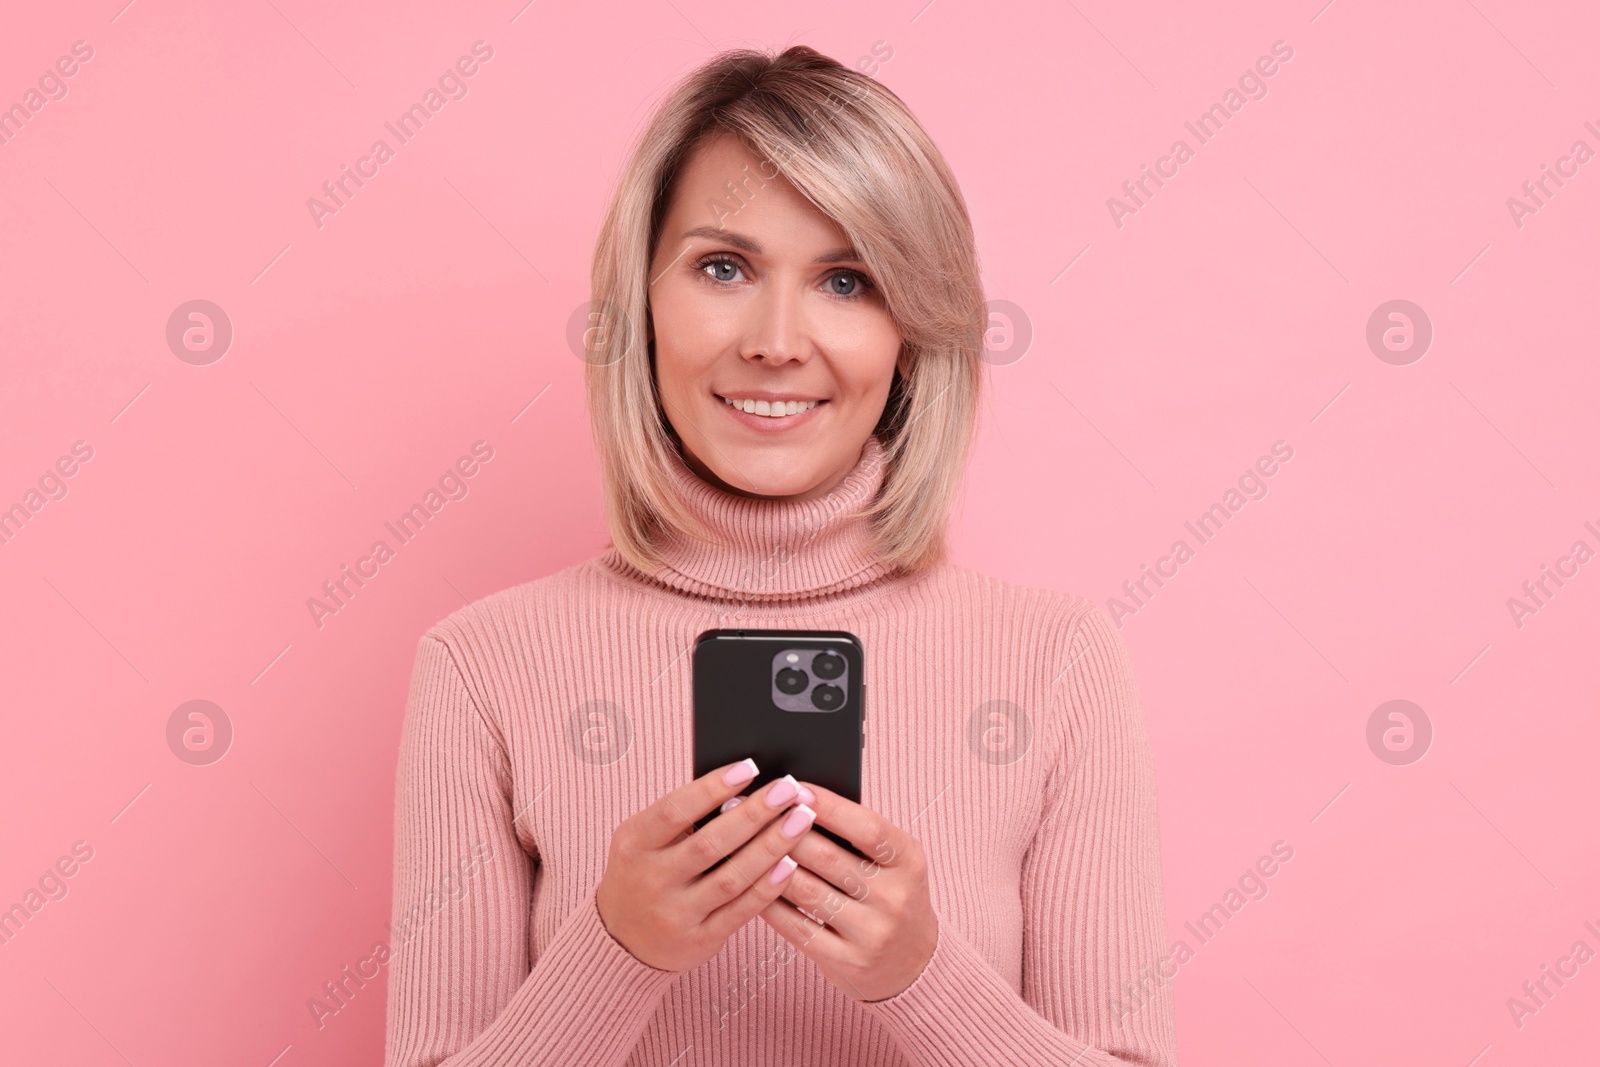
(751, 838)
(806, 797)
(810, 937)
(838, 869)
(703, 849)
(674, 815)
(760, 895)
(823, 903)
(876, 838)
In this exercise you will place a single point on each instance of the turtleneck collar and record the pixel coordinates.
(774, 550)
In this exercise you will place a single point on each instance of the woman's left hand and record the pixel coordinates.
(880, 925)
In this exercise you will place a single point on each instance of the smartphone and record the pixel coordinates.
(792, 700)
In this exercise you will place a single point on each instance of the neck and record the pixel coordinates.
(774, 549)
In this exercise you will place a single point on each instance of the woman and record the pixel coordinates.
(785, 232)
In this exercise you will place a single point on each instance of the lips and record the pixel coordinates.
(771, 408)
(805, 412)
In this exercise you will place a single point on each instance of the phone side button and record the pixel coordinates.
(863, 733)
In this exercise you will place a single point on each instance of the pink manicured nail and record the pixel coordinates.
(733, 803)
(807, 796)
(740, 772)
(797, 821)
(782, 791)
(782, 869)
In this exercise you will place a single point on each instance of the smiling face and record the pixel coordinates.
(764, 302)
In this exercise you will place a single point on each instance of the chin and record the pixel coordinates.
(762, 471)
(784, 481)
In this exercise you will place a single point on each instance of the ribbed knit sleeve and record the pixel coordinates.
(463, 991)
(1093, 914)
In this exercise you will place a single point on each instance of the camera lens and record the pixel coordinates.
(791, 681)
(827, 697)
(828, 665)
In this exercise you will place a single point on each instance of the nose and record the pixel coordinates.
(777, 331)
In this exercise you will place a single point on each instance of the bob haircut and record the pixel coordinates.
(853, 149)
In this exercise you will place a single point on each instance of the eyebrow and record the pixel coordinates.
(740, 241)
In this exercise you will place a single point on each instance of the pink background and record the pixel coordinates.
(1227, 314)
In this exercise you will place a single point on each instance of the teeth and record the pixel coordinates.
(774, 409)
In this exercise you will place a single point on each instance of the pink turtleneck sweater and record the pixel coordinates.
(1005, 734)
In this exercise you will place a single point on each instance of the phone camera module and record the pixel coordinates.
(810, 679)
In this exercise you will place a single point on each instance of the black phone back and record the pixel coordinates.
(792, 700)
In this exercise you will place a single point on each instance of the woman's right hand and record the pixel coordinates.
(657, 899)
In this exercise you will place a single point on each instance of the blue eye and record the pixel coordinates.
(716, 261)
(863, 286)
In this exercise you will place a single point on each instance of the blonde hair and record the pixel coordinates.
(853, 149)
